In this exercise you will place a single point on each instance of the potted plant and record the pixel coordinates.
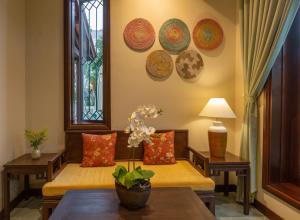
(133, 186)
(36, 138)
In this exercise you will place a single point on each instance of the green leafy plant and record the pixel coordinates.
(36, 138)
(138, 176)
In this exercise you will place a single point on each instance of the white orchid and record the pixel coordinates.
(137, 128)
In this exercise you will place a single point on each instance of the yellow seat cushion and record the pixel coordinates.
(181, 174)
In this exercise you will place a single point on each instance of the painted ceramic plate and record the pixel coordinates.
(188, 64)
(174, 36)
(159, 65)
(208, 34)
(139, 34)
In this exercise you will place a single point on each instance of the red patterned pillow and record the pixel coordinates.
(98, 150)
(161, 151)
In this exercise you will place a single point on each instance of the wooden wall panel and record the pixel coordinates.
(281, 153)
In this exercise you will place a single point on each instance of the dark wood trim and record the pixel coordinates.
(24, 166)
(14, 203)
(208, 197)
(49, 203)
(281, 172)
(106, 123)
(267, 115)
(212, 166)
(67, 62)
(74, 145)
(55, 165)
(107, 69)
(200, 162)
(280, 187)
(266, 211)
(288, 192)
(221, 188)
(35, 192)
(107, 198)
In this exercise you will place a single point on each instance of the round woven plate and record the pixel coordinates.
(159, 65)
(208, 34)
(139, 34)
(174, 36)
(189, 64)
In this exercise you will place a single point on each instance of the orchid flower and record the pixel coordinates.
(137, 128)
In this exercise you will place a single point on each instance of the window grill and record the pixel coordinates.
(91, 54)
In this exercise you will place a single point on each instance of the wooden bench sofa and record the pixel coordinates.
(66, 173)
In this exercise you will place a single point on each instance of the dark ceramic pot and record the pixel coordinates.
(135, 197)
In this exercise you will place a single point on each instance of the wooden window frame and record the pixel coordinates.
(105, 124)
(278, 175)
(284, 190)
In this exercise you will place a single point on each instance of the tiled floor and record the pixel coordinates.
(226, 209)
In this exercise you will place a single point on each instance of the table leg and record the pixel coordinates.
(26, 186)
(247, 191)
(45, 213)
(226, 183)
(6, 192)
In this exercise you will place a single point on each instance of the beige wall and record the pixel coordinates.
(44, 70)
(131, 85)
(12, 82)
(239, 88)
(181, 101)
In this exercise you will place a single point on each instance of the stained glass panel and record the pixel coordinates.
(91, 53)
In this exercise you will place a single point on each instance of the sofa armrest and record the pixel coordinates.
(200, 162)
(55, 165)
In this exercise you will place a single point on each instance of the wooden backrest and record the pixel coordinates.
(74, 145)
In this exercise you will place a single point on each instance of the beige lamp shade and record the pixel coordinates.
(217, 133)
(217, 108)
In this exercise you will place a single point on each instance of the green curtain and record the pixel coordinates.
(264, 27)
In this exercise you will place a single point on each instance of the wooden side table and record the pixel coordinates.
(25, 165)
(212, 166)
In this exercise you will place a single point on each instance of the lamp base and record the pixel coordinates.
(217, 138)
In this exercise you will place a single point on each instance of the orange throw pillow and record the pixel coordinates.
(161, 151)
(98, 150)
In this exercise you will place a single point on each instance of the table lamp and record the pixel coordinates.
(217, 133)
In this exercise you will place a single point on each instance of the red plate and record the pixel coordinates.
(139, 34)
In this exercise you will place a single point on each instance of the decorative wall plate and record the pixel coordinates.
(208, 34)
(139, 34)
(159, 65)
(189, 64)
(174, 36)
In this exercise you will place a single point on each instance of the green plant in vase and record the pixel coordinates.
(133, 186)
(36, 138)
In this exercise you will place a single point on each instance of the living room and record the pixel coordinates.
(48, 50)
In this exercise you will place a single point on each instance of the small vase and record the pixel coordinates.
(134, 198)
(35, 154)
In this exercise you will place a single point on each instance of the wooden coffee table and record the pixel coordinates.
(164, 204)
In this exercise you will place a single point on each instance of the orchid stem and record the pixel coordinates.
(133, 158)
(128, 166)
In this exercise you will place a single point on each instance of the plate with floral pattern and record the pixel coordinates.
(189, 64)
